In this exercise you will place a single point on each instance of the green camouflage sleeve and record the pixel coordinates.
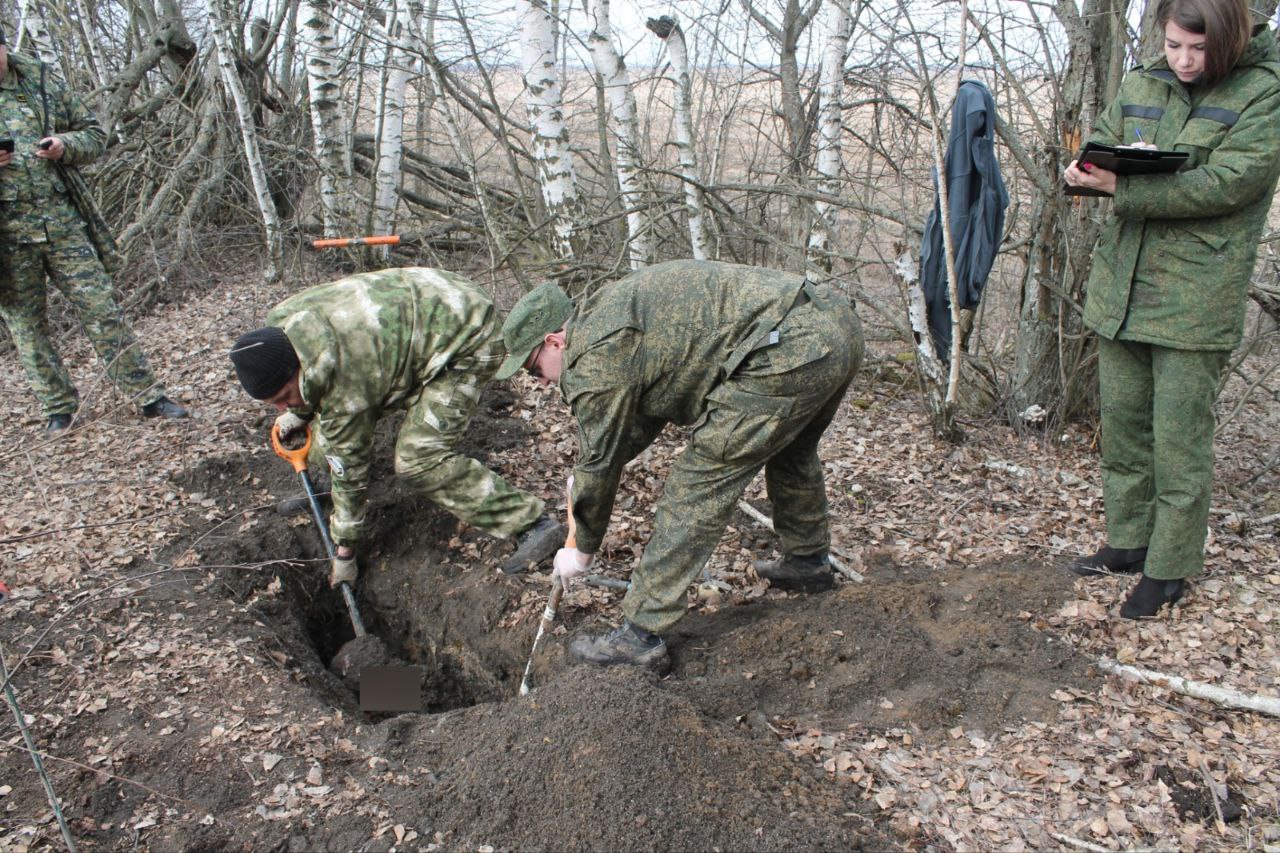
(347, 444)
(78, 128)
(611, 432)
(1237, 172)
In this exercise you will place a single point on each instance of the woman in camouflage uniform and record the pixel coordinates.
(1166, 294)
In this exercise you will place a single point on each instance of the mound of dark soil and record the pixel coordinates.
(932, 650)
(610, 760)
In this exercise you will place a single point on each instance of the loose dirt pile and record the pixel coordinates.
(928, 651)
(610, 760)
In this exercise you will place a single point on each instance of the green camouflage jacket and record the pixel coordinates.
(1173, 264)
(367, 343)
(58, 111)
(652, 348)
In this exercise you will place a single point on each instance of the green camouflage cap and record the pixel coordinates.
(541, 311)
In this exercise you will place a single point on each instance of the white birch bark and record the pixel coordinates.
(626, 131)
(96, 58)
(667, 29)
(830, 124)
(324, 82)
(953, 291)
(400, 59)
(248, 133)
(33, 24)
(551, 149)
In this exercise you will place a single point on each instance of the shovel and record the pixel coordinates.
(553, 603)
(384, 686)
(298, 459)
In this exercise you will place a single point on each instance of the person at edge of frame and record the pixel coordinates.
(756, 360)
(51, 228)
(343, 354)
(1166, 295)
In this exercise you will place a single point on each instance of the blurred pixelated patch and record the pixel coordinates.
(391, 689)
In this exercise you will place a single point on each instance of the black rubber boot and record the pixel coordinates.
(57, 424)
(796, 573)
(1150, 595)
(537, 542)
(164, 408)
(1110, 561)
(629, 644)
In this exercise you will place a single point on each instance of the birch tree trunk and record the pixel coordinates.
(830, 125)
(34, 25)
(551, 151)
(400, 60)
(324, 81)
(96, 60)
(668, 29)
(248, 133)
(626, 131)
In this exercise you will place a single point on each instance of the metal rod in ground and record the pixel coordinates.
(548, 619)
(35, 756)
(767, 522)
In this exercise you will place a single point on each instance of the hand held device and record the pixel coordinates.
(6, 145)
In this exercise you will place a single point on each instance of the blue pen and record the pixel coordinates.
(1138, 133)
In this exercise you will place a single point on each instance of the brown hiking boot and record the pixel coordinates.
(1110, 561)
(537, 542)
(798, 573)
(628, 644)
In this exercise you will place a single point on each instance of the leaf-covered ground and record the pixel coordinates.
(149, 627)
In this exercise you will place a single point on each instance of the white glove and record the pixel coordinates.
(570, 563)
(343, 570)
(289, 423)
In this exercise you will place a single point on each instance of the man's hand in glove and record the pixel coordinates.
(570, 563)
(343, 567)
(289, 423)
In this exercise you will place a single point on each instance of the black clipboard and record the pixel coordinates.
(1124, 160)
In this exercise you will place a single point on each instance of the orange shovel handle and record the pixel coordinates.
(296, 458)
(340, 242)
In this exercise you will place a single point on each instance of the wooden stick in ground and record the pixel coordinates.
(54, 802)
(767, 522)
(1196, 689)
(553, 602)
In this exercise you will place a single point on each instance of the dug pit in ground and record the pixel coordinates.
(928, 650)
(613, 759)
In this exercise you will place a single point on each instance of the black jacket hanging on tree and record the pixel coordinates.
(976, 201)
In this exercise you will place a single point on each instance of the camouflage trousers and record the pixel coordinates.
(435, 422)
(72, 265)
(1157, 450)
(771, 413)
